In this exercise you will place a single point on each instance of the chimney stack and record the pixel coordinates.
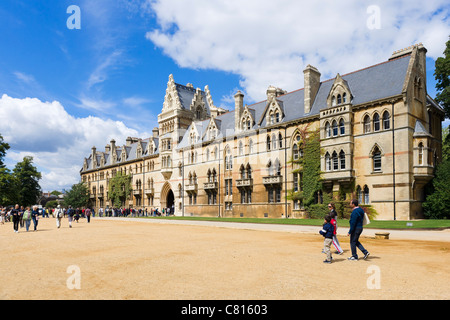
(238, 109)
(312, 84)
(155, 132)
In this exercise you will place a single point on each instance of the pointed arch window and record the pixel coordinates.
(327, 162)
(241, 148)
(341, 127)
(366, 124)
(386, 121)
(420, 154)
(295, 153)
(366, 195)
(327, 130)
(359, 194)
(335, 128)
(376, 157)
(342, 159)
(335, 161)
(376, 122)
(228, 159)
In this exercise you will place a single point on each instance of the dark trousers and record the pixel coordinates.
(354, 242)
(35, 222)
(16, 224)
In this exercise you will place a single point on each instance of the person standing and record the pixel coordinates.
(333, 215)
(70, 214)
(327, 233)
(77, 214)
(2, 215)
(21, 211)
(356, 228)
(59, 212)
(87, 212)
(14, 213)
(27, 218)
(35, 217)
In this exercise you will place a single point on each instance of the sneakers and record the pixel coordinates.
(326, 261)
(366, 255)
(352, 258)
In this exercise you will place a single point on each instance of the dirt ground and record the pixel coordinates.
(142, 260)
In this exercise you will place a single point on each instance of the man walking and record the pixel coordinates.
(70, 214)
(356, 228)
(59, 214)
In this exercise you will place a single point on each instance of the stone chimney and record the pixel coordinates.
(129, 141)
(312, 84)
(94, 156)
(238, 109)
(107, 148)
(113, 150)
(155, 132)
(273, 92)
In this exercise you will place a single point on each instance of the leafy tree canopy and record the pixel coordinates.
(442, 76)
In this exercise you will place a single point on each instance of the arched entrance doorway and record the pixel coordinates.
(167, 198)
(170, 202)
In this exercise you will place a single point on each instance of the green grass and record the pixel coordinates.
(375, 224)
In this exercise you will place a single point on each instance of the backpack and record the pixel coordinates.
(366, 219)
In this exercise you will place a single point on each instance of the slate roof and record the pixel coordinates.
(131, 153)
(387, 78)
(376, 82)
(186, 94)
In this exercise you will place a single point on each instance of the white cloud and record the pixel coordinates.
(57, 141)
(26, 78)
(100, 74)
(95, 104)
(270, 42)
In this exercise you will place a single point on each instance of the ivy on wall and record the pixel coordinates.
(119, 189)
(309, 164)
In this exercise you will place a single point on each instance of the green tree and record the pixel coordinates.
(55, 193)
(437, 204)
(442, 76)
(27, 182)
(7, 188)
(3, 148)
(119, 189)
(6, 179)
(446, 143)
(77, 196)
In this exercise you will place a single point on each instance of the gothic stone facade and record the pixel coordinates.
(380, 140)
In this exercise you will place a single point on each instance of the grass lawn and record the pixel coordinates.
(375, 224)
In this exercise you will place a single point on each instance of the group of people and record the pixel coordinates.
(356, 228)
(23, 216)
(134, 212)
(20, 216)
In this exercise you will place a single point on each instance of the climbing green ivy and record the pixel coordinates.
(309, 164)
(119, 189)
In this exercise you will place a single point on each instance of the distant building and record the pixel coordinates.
(47, 197)
(380, 139)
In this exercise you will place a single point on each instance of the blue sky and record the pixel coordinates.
(63, 91)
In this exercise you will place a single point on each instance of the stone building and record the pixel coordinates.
(380, 140)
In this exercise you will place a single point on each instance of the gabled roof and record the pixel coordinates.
(369, 84)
